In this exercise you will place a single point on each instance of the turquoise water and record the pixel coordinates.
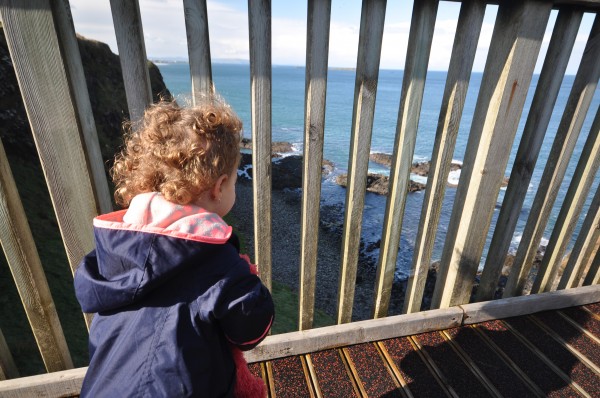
(232, 81)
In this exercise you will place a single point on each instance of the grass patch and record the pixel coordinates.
(286, 311)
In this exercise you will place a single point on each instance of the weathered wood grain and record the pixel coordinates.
(411, 98)
(524, 305)
(341, 335)
(593, 275)
(259, 21)
(66, 383)
(40, 70)
(196, 26)
(317, 47)
(516, 41)
(469, 25)
(555, 64)
(567, 219)
(83, 107)
(584, 249)
(8, 369)
(26, 268)
(568, 131)
(130, 41)
(365, 91)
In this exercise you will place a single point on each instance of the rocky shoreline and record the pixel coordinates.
(285, 208)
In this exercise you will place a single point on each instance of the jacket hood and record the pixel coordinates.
(140, 248)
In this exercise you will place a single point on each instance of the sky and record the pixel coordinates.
(165, 36)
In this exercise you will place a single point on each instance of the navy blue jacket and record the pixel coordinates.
(167, 309)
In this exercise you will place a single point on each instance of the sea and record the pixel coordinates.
(232, 82)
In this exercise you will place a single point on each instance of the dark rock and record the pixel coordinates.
(379, 184)
(286, 171)
(277, 147)
(384, 159)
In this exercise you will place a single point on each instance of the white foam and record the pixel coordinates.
(419, 179)
(454, 177)
(244, 171)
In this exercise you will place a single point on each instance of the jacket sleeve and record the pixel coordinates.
(246, 311)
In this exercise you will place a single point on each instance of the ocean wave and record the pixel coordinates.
(243, 172)
(454, 177)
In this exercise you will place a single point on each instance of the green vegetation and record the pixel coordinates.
(286, 311)
(286, 301)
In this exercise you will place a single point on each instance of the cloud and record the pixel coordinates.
(165, 35)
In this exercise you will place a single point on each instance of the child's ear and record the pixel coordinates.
(218, 187)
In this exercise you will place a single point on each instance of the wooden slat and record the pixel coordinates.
(8, 369)
(34, 48)
(27, 271)
(353, 372)
(473, 367)
(259, 21)
(365, 90)
(547, 361)
(317, 47)
(66, 383)
(565, 224)
(525, 305)
(83, 107)
(436, 372)
(411, 98)
(130, 42)
(328, 337)
(509, 362)
(516, 41)
(585, 246)
(593, 275)
(196, 26)
(549, 83)
(567, 343)
(313, 376)
(578, 103)
(457, 83)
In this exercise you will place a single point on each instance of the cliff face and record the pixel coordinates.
(107, 96)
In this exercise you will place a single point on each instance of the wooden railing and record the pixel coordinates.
(46, 59)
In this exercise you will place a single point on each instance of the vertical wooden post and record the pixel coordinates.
(83, 107)
(516, 41)
(413, 85)
(259, 18)
(468, 29)
(569, 128)
(196, 26)
(132, 53)
(35, 52)
(8, 369)
(565, 224)
(593, 275)
(585, 246)
(26, 268)
(317, 46)
(365, 91)
(553, 71)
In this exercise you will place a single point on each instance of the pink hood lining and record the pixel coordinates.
(150, 212)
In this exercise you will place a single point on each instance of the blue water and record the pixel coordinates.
(232, 81)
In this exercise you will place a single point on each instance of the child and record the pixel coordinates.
(173, 296)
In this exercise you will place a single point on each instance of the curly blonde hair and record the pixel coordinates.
(177, 151)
